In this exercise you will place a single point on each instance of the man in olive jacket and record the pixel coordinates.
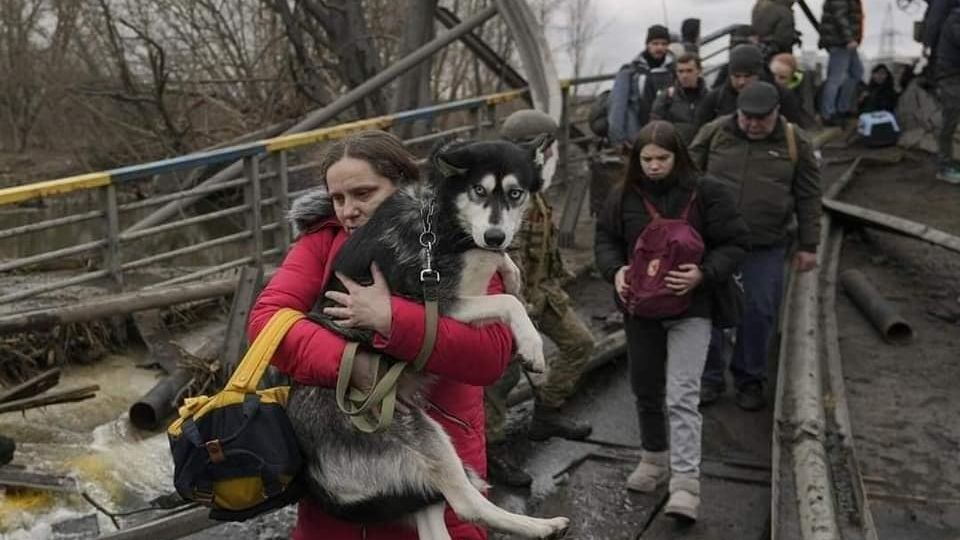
(774, 180)
(841, 32)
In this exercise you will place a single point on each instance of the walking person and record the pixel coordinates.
(941, 39)
(536, 252)
(636, 86)
(772, 20)
(770, 165)
(841, 33)
(664, 197)
(678, 103)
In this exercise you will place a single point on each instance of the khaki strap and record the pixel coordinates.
(790, 130)
(360, 407)
(248, 373)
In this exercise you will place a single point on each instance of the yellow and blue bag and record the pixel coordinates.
(236, 451)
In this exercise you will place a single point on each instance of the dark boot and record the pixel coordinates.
(7, 447)
(502, 470)
(750, 396)
(550, 422)
(710, 393)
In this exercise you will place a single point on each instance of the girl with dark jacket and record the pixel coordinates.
(667, 355)
(879, 94)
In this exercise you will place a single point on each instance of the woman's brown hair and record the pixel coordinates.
(384, 152)
(664, 135)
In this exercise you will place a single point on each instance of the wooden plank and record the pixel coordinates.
(17, 477)
(50, 398)
(108, 306)
(158, 340)
(235, 342)
(33, 386)
(894, 224)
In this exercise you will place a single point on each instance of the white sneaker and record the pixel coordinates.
(652, 471)
(684, 501)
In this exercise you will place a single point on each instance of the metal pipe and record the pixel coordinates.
(159, 403)
(50, 223)
(194, 192)
(51, 255)
(884, 317)
(187, 250)
(330, 111)
(82, 278)
(179, 224)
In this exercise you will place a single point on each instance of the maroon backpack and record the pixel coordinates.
(663, 246)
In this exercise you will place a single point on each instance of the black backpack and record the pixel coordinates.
(597, 117)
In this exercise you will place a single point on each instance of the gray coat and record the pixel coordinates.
(633, 93)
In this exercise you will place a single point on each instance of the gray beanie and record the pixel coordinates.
(526, 124)
(746, 58)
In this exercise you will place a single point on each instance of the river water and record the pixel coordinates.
(92, 441)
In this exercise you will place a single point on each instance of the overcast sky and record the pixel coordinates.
(624, 24)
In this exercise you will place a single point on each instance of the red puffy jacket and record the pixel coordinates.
(310, 354)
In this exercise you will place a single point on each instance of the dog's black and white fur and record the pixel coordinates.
(410, 470)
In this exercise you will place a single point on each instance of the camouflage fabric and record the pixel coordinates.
(536, 252)
(575, 345)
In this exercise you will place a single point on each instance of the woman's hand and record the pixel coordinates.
(620, 282)
(363, 307)
(684, 279)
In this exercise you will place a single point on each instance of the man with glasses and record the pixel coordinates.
(770, 165)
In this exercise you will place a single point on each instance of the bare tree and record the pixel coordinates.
(413, 87)
(327, 38)
(30, 58)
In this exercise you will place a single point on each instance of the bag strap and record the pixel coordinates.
(360, 407)
(790, 132)
(248, 373)
(686, 210)
(654, 214)
(651, 209)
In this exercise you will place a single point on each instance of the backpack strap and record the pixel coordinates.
(790, 132)
(651, 209)
(686, 211)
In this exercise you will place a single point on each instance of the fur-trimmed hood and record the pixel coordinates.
(308, 209)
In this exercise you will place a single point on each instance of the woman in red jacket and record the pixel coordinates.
(357, 174)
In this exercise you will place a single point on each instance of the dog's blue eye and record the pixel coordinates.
(515, 194)
(479, 190)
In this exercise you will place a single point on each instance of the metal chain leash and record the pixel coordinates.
(427, 240)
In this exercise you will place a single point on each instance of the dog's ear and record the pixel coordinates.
(445, 161)
(537, 148)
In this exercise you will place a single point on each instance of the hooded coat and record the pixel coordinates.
(772, 20)
(634, 91)
(465, 359)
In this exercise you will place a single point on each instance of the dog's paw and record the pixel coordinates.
(555, 528)
(530, 349)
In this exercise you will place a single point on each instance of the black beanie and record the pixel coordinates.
(658, 31)
(746, 58)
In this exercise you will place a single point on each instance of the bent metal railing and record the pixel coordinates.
(266, 195)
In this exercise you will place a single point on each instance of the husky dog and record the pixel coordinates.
(410, 470)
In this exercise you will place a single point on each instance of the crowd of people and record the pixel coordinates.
(729, 172)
